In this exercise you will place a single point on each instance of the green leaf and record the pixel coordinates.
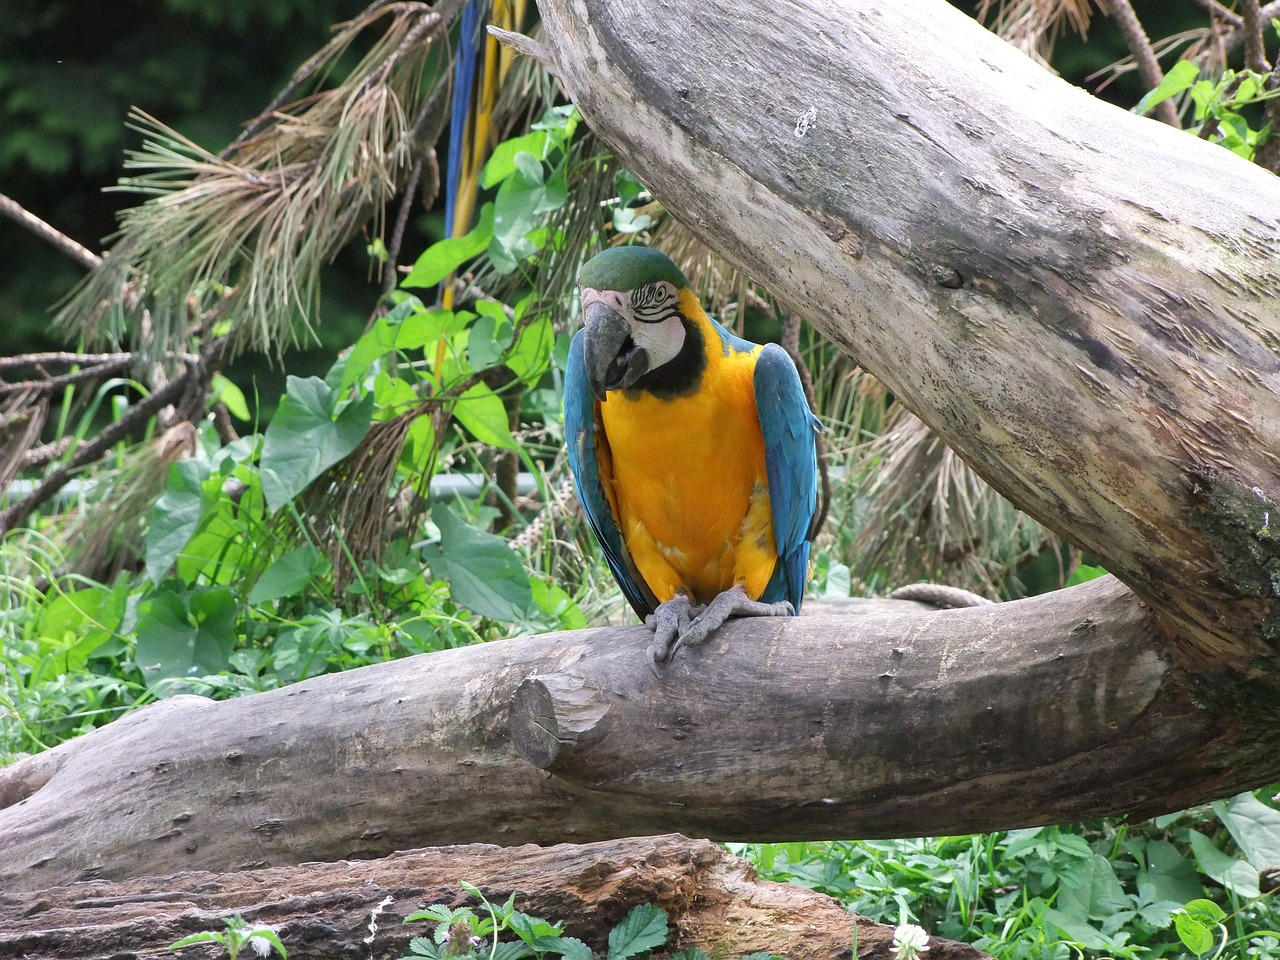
(1091, 890)
(489, 339)
(571, 948)
(176, 516)
(484, 574)
(511, 950)
(1254, 826)
(482, 412)
(423, 947)
(1084, 573)
(1168, 875)
(287, 575)
(1180, 77)
(185, 635)
(502, 162)
(693, 953)
(552, 600)
(444, 257)
(626, 220)
(305, 437)
(1195, 936)
(77, 623)
(1231, 872)
(644, 928)
(1077, 929)
(231, 396)
(530, 357)
(1206, 911)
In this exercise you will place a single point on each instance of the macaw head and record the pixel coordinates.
(634, 324)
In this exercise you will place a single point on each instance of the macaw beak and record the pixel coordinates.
(614, 360)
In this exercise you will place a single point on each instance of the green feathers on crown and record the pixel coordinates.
(626, 268)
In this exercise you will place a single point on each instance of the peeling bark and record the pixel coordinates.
(713, 901)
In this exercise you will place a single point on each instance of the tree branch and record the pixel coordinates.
(1135, 39)
(76, 251)
(874, 726)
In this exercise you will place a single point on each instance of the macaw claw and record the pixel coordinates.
(678, 623)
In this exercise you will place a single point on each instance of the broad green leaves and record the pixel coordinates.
(312, 430)
(443, 258)
(640, 931)
(1180, 76)
(484, 573)
(176, 515)
(185, 633)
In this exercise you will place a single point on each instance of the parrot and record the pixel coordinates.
(692, 450)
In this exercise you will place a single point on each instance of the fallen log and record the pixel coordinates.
(354, 908)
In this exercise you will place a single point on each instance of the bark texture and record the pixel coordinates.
(1082, 302)
(1062, 707)
(712, 899)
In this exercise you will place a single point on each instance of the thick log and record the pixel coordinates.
(1061, 707)
(712, 900)
(1081, 301)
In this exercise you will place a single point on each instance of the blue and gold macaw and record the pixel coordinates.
(693, 452)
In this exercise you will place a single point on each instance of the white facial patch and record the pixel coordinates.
(656, 324)
(661, 341)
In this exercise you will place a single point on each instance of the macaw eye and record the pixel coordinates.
(653, 302)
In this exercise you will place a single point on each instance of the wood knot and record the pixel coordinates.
(551, 716)
(945, 276)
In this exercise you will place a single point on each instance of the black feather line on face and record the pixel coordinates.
(654, 303)
(680, 376)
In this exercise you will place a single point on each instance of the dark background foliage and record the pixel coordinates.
(70, 72)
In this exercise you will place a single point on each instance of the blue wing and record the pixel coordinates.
(791, 462)
(580, 435)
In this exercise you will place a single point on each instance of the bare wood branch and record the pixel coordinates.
(183, 390)
(60, 357)
(75, 250)
(872, 726)
(92, 373)
(1135, 39)
(1219, 12)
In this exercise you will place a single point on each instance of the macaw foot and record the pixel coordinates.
(668, 623)
(699, 623)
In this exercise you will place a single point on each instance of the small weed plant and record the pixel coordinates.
(501, 932)
(239, 936)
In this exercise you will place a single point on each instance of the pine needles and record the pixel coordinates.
(243, 235)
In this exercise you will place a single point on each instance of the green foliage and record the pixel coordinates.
(277, 556)
(1100, 889)
(501, 932)
(1219, 104)
(460, 932)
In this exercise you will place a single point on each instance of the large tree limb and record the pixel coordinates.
(1057, 708)
(1080, 301)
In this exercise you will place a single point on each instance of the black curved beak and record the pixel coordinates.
(614, 361)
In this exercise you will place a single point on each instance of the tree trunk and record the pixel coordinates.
(1079, 300)
(712, 900)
